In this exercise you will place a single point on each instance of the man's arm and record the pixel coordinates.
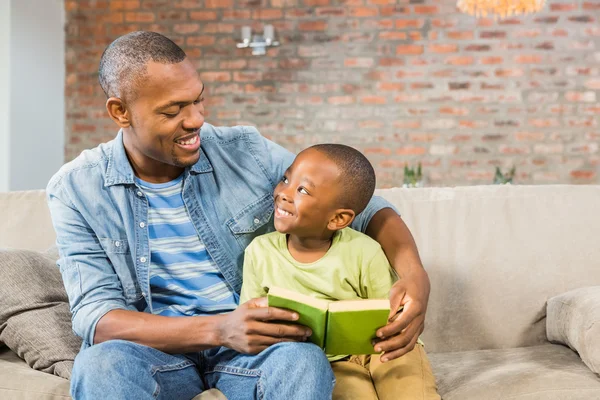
(410, 291)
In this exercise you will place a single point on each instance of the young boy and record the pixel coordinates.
(314, 252)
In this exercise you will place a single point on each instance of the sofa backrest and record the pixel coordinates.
(495, 254)
(25, 221)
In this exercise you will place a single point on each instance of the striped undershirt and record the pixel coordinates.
(184, 280)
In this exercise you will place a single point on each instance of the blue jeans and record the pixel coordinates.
(119, 369)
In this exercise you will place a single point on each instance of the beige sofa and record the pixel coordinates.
(495, 256)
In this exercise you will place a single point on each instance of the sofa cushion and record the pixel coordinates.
(35, 321)
(547, 372)
(573, 319)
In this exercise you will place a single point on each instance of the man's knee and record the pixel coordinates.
(305, 357)
(102, 361)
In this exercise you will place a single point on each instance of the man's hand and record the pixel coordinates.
(251, 328)
(400, 335)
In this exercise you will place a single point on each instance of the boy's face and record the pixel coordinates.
(306, 198)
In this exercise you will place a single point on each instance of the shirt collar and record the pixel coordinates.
(119, 171)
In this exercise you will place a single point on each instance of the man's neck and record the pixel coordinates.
(148, 169)
(308, 250)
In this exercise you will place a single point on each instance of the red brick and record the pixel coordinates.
(247, 76)
(185, 28)
(391, 62)
(409, 49)
(529, 59)
(141, 16)
(426, 10)
(218, 3)
(393, 35)
(587, 97)
(200, 40)
(390, 86)
(235, 14)
(411, 150)
(313, 3)
(389, 11)
(215, 76)
(233, 64)
(464, 60)
(330, 12)
(203, 15)
(124, 4)
(563, 7)
(415, 35)
(312, 25)
(583, 174)
(267, 14)
(83, 128)
(588, 5)
(454, 111)
(339, 100)
(378, 150)
(460, 35)
(362, 62)
(493, 35)
(409, 23)
(361, 12)
(443, 48)
(373, 100)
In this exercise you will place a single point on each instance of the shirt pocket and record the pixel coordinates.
(253, 220)
(119, 254)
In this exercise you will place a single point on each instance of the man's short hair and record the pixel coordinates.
(357, 175)
(123, 63)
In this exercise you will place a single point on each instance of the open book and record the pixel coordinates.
(339, 327)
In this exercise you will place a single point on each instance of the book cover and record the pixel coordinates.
(339, 327)
(312, 312)
(352, 324)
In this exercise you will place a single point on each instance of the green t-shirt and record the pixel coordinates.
(354, 267)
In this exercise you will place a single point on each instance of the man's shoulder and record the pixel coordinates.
(211, 134)
(86, 167)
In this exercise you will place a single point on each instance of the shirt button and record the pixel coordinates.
(117, 243)
(143, 259)
(142, 225)
(140, 194)
(256, 220)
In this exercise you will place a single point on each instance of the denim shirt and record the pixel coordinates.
(100, 217)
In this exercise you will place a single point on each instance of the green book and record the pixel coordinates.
(339, 327)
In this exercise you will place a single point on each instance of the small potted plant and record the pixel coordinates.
(504, 178)
(413, 177)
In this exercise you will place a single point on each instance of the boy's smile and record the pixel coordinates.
(306, 198)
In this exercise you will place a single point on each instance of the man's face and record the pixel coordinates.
(167, 114)
(306, 197)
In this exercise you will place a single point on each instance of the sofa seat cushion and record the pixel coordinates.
(546, 372)
(19, 381)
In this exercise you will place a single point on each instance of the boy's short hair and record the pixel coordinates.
(357, 175)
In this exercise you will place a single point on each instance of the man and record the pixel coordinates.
(151, 229)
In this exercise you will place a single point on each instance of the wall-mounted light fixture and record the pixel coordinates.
(258, 43)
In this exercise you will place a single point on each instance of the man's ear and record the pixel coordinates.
(342, 218)
(118, 112)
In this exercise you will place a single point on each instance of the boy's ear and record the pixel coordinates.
(118, 112)
(341, 219)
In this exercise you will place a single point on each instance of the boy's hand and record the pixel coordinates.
(251, 328)
(400, 335)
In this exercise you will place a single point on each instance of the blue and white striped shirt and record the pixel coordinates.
(184, 280)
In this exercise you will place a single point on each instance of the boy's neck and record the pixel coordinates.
(308, 250)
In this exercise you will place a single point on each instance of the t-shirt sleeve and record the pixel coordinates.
(379, 276)
(251, 285)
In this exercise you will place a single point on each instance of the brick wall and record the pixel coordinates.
(402, 80)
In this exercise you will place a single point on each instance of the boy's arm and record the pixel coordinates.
(251, 284)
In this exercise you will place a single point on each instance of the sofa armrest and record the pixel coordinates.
(573, 319)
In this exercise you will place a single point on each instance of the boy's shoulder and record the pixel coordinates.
(355, 241)
(268, 241)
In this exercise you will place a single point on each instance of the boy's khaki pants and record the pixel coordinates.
(365, 377)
